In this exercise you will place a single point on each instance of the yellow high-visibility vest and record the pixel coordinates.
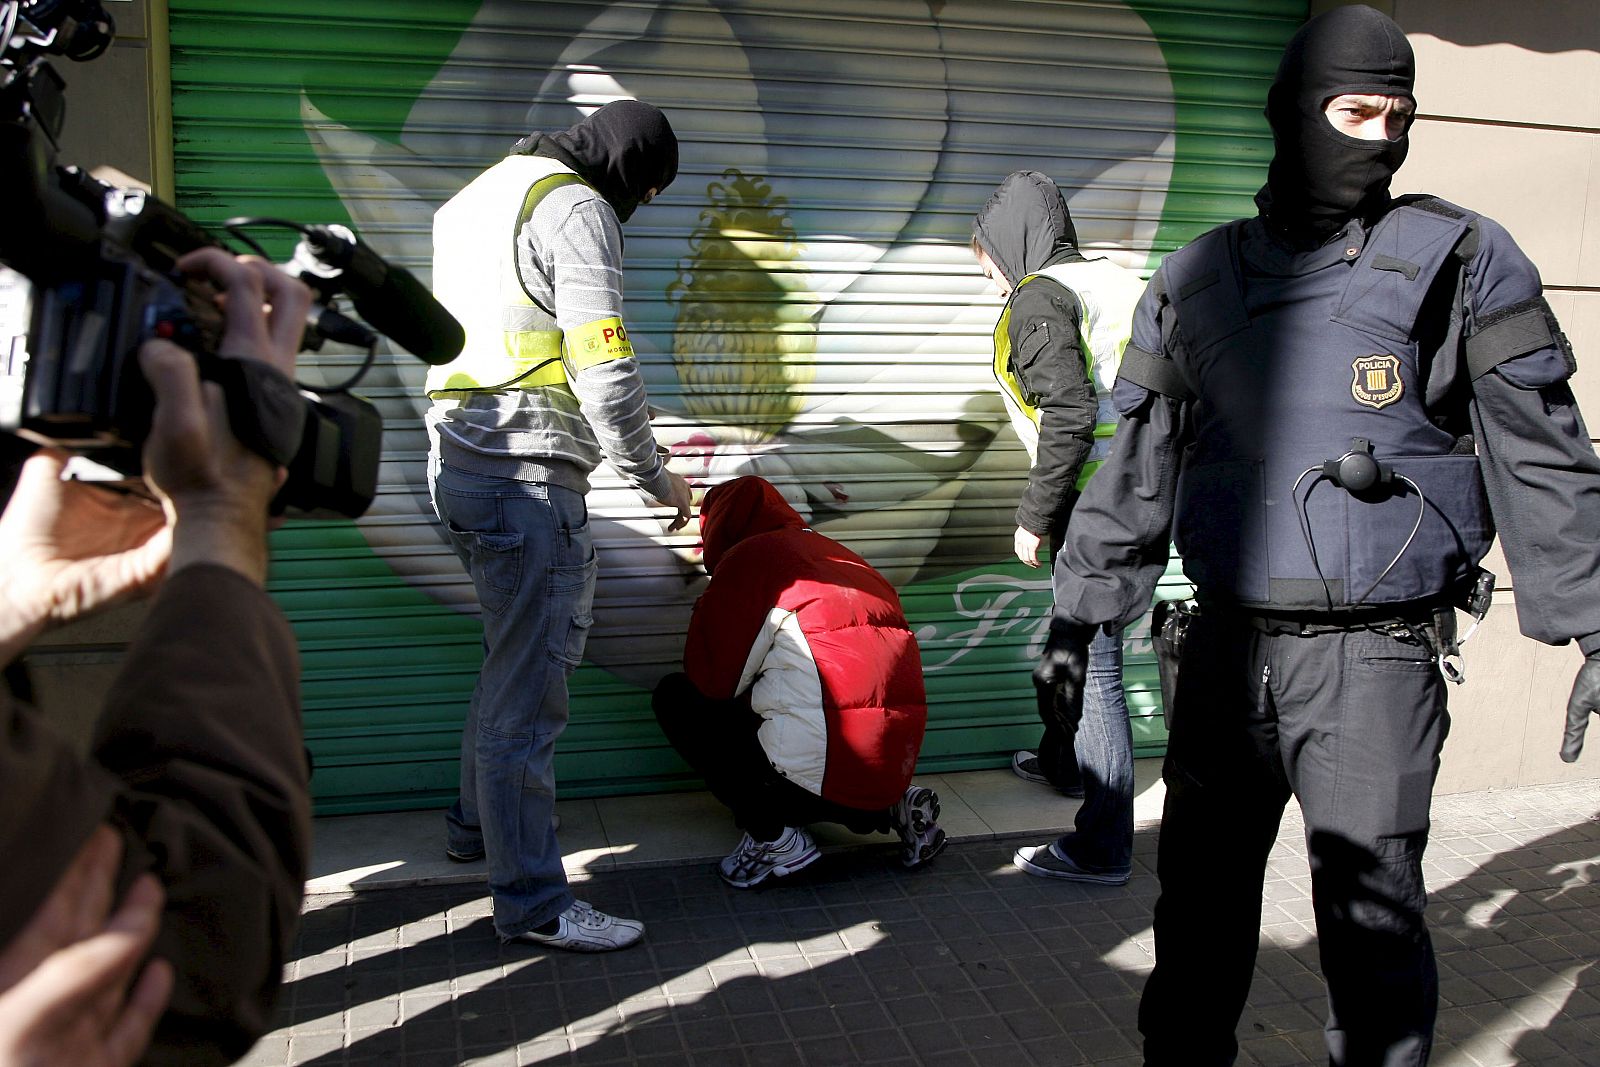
(1107, 294)
(512, 342)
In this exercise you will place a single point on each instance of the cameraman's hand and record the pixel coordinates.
(1584, 701)
(681, 499)
(65, 979)
(69, 548)
(1058, 678)
(216, 492)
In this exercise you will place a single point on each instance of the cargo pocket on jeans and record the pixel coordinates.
(496, 565)
(569, 631)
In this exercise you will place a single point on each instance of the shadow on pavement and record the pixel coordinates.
(966, 962)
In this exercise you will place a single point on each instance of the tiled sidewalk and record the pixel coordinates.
(967, 962)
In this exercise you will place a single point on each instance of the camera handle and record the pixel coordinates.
(265, 411)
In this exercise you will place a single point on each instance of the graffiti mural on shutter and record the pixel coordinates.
(802, 298)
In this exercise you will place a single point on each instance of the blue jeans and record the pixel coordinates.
(1102, 838)
(528, 549)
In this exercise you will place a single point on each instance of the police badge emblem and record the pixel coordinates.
(1376, 380)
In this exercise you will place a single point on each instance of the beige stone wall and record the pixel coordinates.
(110, 119)
(1508, 98)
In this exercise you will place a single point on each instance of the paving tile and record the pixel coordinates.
(948, 1058)
(268, 1052)
(315, 1046)
(781, 1055)
(658, 1035)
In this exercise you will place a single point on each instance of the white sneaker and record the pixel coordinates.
(752, 861)
(916, 820)
(581, 928)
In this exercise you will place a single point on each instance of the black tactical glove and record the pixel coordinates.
(1584, 701)
(1058, 679)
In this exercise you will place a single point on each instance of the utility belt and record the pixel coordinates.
(1301, 625)
(1431, 626)
(1433, 629)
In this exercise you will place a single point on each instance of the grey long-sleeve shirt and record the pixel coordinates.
(1538, 462)
(570, 259)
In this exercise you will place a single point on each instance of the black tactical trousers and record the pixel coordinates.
(718, 739)
(1351, 723)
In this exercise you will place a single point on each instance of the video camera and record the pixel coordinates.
(91, 272)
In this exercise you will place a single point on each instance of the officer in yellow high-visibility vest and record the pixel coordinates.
(1056, 348)
(529, 258)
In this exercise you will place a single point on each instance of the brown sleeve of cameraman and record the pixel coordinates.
(203, 730)
(51, 800)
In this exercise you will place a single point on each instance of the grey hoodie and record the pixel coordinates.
(1025, 224)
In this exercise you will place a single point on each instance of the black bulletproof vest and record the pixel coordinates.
(1288, 364)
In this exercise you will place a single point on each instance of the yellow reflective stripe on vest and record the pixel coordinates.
(532, 361)
(1002, 364)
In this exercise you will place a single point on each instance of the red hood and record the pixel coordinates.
(739, 509)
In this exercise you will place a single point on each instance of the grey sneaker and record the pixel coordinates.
(752, 862)
(1025, 765)
(916, 820)
(582, 928)
(1046, 861)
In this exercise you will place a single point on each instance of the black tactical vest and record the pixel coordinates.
(1286, 370)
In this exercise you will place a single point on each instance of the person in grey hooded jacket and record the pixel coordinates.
(1057, 344)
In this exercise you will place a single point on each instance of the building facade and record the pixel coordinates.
(803, 300)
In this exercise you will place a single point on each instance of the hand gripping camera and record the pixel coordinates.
(91, 273)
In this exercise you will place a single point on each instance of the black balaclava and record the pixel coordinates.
(1024, 225)
(1320, 178)
(623, 150)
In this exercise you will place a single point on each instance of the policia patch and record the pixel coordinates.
(600, 341)
(1375, 380)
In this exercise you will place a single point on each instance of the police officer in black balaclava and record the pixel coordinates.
(1320, 176)
(1331, 409)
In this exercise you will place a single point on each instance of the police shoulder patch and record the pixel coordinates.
(1375, 380)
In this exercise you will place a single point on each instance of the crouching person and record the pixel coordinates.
(801, 699)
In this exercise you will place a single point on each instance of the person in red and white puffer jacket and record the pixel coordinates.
(801, 699)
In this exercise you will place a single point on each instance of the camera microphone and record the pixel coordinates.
(389, 298)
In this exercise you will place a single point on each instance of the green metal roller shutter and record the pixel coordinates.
(803, 300)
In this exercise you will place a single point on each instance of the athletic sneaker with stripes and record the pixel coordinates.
(916, 820)
(752, 862)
